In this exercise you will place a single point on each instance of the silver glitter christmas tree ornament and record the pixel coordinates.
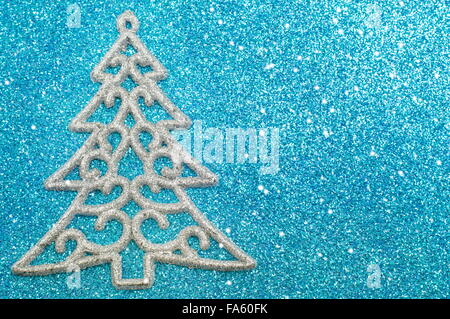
(98, 148)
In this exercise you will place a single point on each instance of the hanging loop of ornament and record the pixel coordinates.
(127, 22)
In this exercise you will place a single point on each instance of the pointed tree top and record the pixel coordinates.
(127, 22)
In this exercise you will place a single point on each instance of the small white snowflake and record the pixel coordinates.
(269, 66)
(327, 133)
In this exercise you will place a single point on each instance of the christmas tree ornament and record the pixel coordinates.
(98, 148)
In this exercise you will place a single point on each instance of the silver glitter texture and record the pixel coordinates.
(98, 147)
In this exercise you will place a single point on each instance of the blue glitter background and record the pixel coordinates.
(359, 90)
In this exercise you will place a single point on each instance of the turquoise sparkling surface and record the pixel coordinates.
(358, 89)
